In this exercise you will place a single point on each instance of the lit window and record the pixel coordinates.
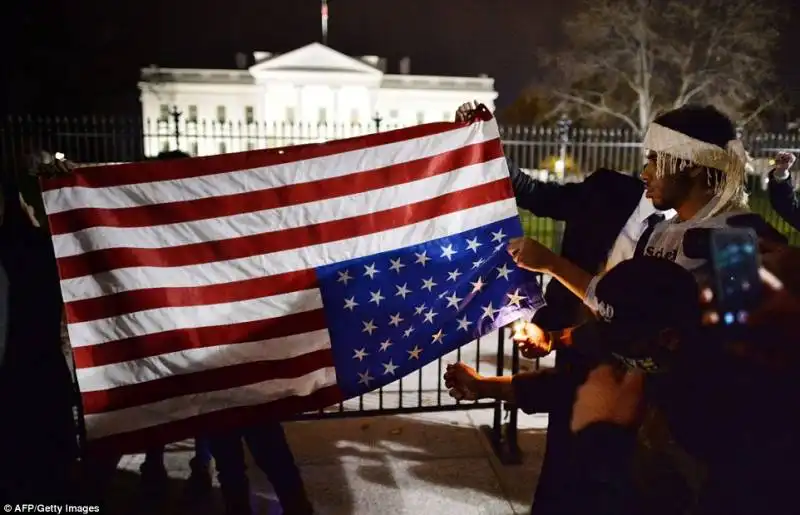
(193, 114)
(163, 114)
(249, 114)
(221, 114)
(420, 117)
(322, 116)
(446, 116)
(222, 148)
(195, 149)
(251, 145)
(290, 114)
(165, 146)
(355, 117)
(393, 113)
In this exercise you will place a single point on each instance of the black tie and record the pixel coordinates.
(652, 220)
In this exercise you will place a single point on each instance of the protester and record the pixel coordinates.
(649, 329)
(696, 167)
(605, 215)
(782, 195)
(39, 445)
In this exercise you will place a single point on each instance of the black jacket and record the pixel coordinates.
(595, 211)
(785, 200)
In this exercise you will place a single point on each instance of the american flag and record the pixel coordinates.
(205, 294)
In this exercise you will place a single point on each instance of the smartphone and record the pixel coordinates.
(736, 283)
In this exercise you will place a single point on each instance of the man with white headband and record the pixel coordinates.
(696, 166)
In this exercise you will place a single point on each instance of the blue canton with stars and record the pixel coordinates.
(390, 314)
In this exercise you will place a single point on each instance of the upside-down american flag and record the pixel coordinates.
(209, 293)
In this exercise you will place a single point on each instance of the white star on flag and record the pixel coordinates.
(438, 337)
(429, 316)
(414, 353)
(498, 236)
(420, 309)
(453, 300)
(350, 303)
(515, 298)
(395, 320)
(369, 327)
(473, 244)
(386, 344)
(448, 252)
(503, 272)
(488, 312)
(423, 258)
(364, 378)
(376, 297)
(389, 368)
(370, 271)
(463, 324)
(402, 291)
(396, 265)
(407, 332)
(344, 277)
(478, 285)
(428, 284)
(453, 276)
(360, 354)
(477, 264)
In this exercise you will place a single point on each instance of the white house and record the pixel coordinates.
(312, 93)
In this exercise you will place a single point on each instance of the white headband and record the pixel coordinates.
(663, 139)
(731, 160)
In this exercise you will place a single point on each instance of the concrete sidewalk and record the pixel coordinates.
(431, 463)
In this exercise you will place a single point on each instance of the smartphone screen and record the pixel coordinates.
(735, 262)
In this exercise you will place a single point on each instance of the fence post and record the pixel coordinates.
(503, 439)
(564, 124)
(176, 118)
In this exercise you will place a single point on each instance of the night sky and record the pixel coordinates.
(83, 56)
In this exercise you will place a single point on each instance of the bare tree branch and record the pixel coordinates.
(598, 107)
(632, 59)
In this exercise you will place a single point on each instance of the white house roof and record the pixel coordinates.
(314, 57)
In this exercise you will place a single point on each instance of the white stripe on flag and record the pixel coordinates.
(178, 408)
(159, 320)
(291, 260)
(296, 172)
(273, 220)
(197, 360)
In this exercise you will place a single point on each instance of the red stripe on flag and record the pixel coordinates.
(153, 298)
(211, 423)
(156, 171)
(146, 346)
(289, 195)
(223, 378)
(105, 260)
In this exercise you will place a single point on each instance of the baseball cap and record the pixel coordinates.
(636, 300)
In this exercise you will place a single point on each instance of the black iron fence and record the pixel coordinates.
(556, 153)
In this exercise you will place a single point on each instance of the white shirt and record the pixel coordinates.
(625, 245)
(667, 238)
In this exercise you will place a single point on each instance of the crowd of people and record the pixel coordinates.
(654, 405)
